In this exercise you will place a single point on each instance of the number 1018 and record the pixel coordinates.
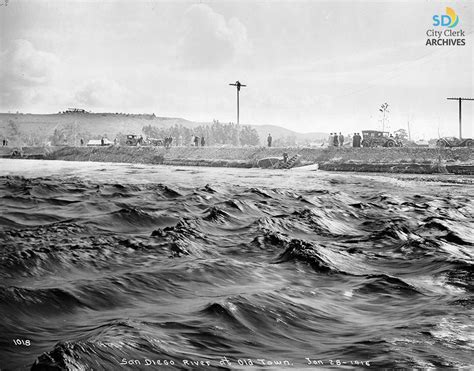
(21, 342)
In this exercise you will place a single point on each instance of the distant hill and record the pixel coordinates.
(94, 125)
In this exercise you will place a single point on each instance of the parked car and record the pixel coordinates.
(133, 140)
(455, 142)
(155, 142)
(376, 138)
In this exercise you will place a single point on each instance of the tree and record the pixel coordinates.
(402, 134)
(69, 134)
(249, 136)
(214, 134)
(13, 130)
(384, 110)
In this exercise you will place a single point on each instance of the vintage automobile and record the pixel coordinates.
(455, 142)
(155, 142)
(376, 138)
(133, 140)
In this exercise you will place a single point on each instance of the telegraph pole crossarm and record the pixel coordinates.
(460, 112)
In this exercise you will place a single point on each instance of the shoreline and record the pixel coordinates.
(406, 160)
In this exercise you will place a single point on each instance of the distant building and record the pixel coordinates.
(76, 110)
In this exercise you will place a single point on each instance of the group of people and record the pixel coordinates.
(336, 140)
(199, 141)
(356, 140)
(168, 141)
(5, 142)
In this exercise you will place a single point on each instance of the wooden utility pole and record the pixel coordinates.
(238, 85)
(460, 112)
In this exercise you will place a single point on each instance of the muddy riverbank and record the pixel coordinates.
(392, 160)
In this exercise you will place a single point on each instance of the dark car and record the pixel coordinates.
(376, 138)
(133, 140)
(455, 142)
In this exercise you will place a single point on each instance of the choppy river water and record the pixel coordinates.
(121, 266)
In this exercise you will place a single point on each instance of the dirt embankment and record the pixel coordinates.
(396, 160)
(401, 160)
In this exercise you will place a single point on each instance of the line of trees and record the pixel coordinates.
(215, 134)
(64, 134)
(17, 137)
(70, 134)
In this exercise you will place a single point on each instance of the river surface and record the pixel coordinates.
(125, 266)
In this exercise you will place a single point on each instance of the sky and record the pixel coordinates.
(309, 66)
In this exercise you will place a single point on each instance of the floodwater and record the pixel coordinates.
(122, 266)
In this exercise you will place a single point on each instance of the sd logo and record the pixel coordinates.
(450, 19)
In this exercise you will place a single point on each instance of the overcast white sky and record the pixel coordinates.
(309, 65)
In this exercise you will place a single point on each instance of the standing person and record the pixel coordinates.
(102, 142)
(330, 140)
(398, 141)
(82, 142)
(269, 140)
(196, 141)
(203, 142)
(354, 140)
(335, 140)
(341, 140)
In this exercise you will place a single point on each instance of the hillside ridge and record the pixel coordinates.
(111, 124)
